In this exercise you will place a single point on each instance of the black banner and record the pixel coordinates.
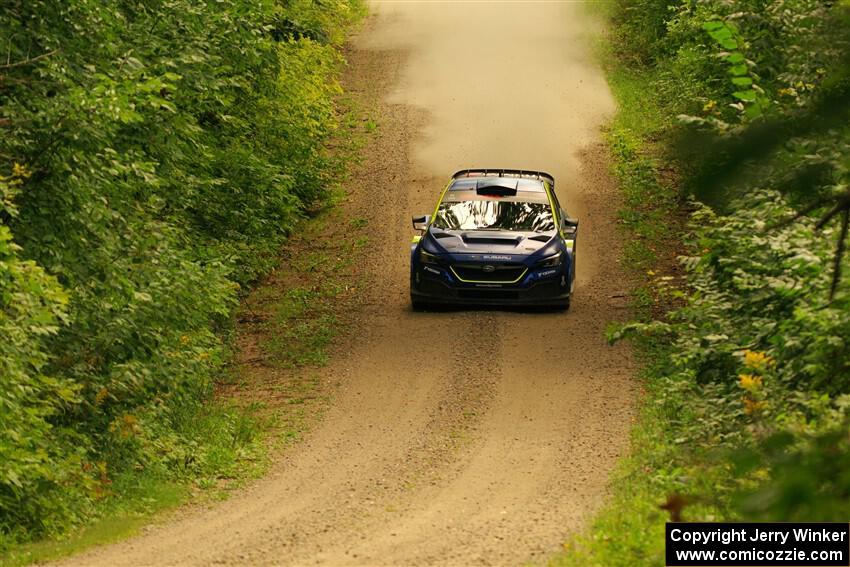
(757, 544)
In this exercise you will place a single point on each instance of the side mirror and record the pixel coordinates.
(421, 223)
(569, 226)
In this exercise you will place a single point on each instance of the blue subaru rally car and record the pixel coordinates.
(497, 237)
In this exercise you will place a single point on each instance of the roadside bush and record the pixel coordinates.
(155, 154)
(758, 327)
(760, 345)
(641, 28)
(37, 458)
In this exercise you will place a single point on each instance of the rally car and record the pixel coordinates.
(497, 237)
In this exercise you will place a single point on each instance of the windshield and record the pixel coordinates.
(495, 215)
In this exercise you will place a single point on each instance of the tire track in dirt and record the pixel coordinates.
(462, 437)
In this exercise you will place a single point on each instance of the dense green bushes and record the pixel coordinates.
(762, 278)
(154, 155)
(708, 55)
(758, 348)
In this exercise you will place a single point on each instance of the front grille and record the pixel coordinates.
(499, 273)
(487, 294)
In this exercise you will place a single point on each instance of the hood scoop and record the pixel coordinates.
(541, 237)
(477, 238)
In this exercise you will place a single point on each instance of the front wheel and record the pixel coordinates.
(563, 305)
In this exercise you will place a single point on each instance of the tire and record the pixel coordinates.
(563, 305)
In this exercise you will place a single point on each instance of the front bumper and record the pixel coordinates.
(430, 287)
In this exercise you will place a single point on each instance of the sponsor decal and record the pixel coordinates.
(497, 257)
(545, 273)
(488, 285)
(432, 270)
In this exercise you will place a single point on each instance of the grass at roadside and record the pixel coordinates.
(287, 325)
(303, 317)
(229, 453)
(650, 211)
(120, 519)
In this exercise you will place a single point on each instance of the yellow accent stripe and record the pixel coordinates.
(525, 271)
(552, 206)
(417, 238)
(440, 200)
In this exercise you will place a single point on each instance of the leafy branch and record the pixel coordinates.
(29, 61)
(752, 100)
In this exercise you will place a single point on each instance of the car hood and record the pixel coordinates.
(490, 242)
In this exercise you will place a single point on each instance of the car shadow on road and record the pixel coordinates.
(530, 309)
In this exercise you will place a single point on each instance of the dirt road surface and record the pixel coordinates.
(463, 437)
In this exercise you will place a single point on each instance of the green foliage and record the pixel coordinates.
(705, 51)
(759, 353)
(38, 457)
(155, 156)
(142, 496)
(630, 528)
(647, 202)
(753, 100)
(747, 388)
(758, 89)
(810, 481)
(754, 287)
(641, 27)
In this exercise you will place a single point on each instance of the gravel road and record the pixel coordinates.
(464, 437)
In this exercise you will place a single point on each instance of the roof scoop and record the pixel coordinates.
(496, 187)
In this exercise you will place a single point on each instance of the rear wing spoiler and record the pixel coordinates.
(526, 173)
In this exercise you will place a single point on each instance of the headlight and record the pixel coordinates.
(550, 261)
(428, 258)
